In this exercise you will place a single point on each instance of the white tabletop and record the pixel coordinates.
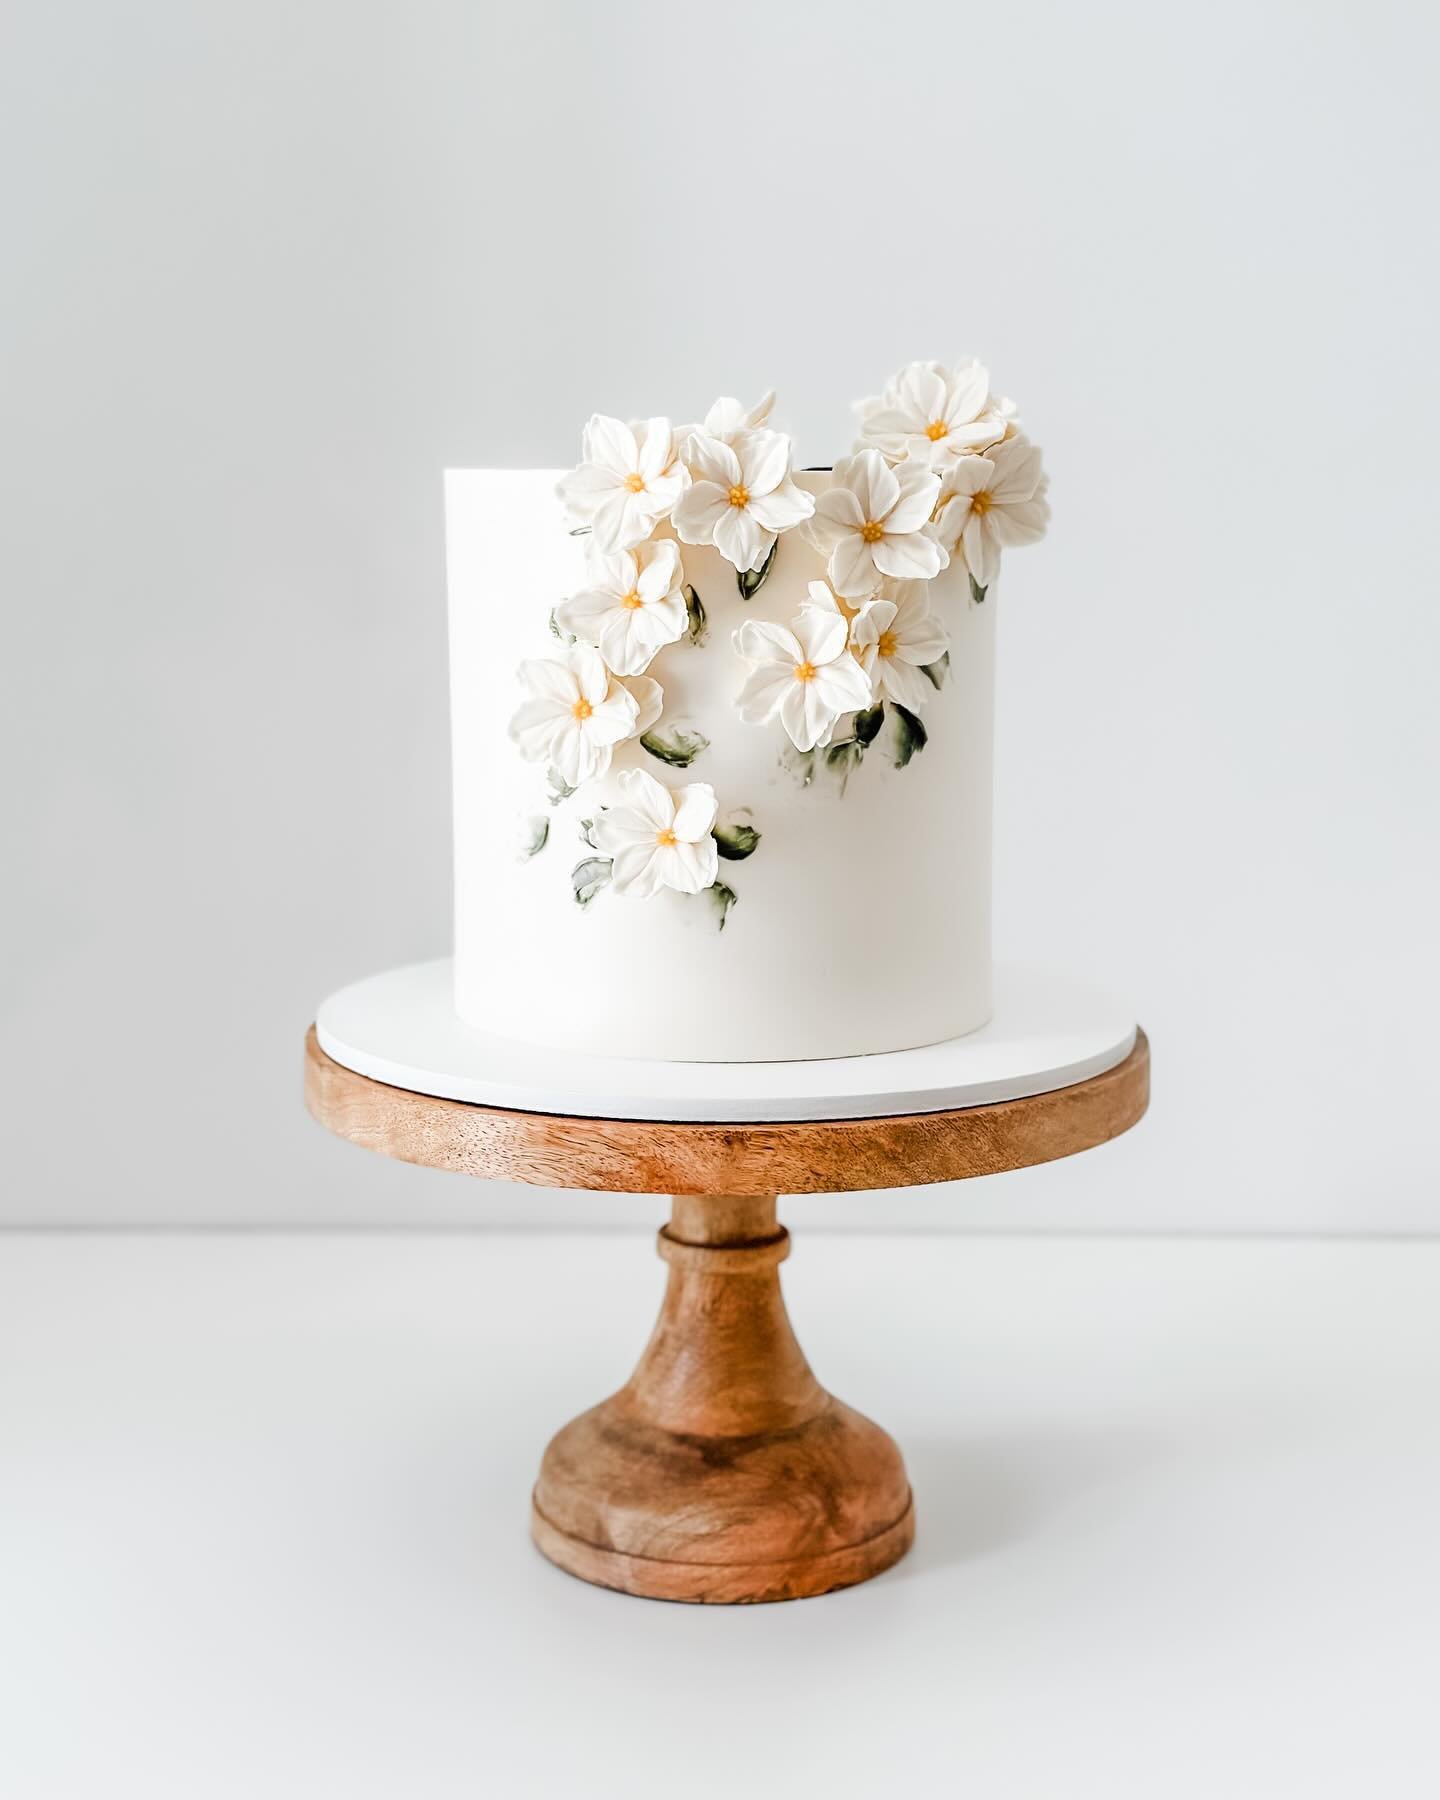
(1047, 1031)
(263, 1507)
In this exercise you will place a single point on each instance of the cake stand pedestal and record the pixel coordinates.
(722, 1471)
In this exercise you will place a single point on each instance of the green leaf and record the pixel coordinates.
(722, 898)
(868, 723)
(588, 877)
(977, 593)
(910, 735)
(799, 763)
(579, 531)
(534, 836)
(679, 750)
(936, 672)
(842, 759)
(750, 581)
(558, 789)
(565, 637)
(735, 840)
(587, 829)
(695, 613)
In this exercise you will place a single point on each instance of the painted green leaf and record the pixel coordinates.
(842, 759)
(910, 735)
(558, 790)
(579, 531)
(936, 672)
(534, 835)
(588, 877)
(799, 763)
(977, 593)
(868, 723)
(722, 897)
(750, 581)
(735, 839)
(587, 832)
(695, 612)
(679, 749)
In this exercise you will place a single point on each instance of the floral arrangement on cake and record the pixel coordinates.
(941, 474)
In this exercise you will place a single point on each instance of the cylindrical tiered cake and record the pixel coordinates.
(711, 812)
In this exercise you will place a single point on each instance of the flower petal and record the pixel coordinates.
(695, 809)
(764, 460)
(656, 448)
(783, 509)
(698, 512)
(761, 641)
(852, 567)
(805, 713)
(822, 635)
(765, 688)
(610, 443)
(918, 492)
(650, 799)
(913, 557)
(551, 678)
(634, 873)
(740, 540)
(712, 460)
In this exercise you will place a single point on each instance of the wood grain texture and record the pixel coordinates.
(722, 1471)
(656, 1157)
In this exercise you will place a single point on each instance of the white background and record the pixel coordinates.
(268, 268)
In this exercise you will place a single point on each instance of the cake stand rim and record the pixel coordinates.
(399, 1028)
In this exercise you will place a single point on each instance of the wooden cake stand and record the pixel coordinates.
(722, 1470)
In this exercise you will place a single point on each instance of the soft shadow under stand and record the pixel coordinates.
(722, 1471)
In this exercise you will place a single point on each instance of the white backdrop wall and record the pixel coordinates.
(268, 268)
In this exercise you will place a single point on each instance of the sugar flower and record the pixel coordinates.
(628, 480)
(575, 714)
(658, 837)
(894, 638)
(805, 675)
(740, 495)
(727, 418)
(871, 522)
(933, 414)
(990, 502)
(633, 605)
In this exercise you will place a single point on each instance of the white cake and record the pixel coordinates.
(701, 826)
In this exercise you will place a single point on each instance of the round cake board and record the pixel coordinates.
(1047, 1032)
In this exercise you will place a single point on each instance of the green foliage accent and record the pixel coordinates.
(579, 531)
(911, 736)
(842, 759)
(587, 830)
(868, 723)
(750, 581)
(722, 897)
(936, 672)
(677, 751)
(799, 763)
(558, 789)
(977, 593)
(565, 637)
(695, 612)
(537, 835)
(735, 840)
(588, 877)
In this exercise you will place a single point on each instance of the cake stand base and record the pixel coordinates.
(722, 1471)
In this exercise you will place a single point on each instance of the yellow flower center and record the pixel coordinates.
(885, 644)
(871, 532)
(981, 503)
(739, 496)
(632, 600)
(635, 483)
(666, 838)
(805, 671)
(582, 709)
(937, 429)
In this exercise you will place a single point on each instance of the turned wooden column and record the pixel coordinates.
(722, 1470)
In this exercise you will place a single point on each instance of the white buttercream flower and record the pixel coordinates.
(894, 638)
(934, 414)
(804, 675)
(871, 522)
(575, 714)
(633, 606)
(628, 480)
(992, 501)
(740, 495)
(727, 418)
(658, 837)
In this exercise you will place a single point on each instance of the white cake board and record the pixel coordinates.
(1047, 1032)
